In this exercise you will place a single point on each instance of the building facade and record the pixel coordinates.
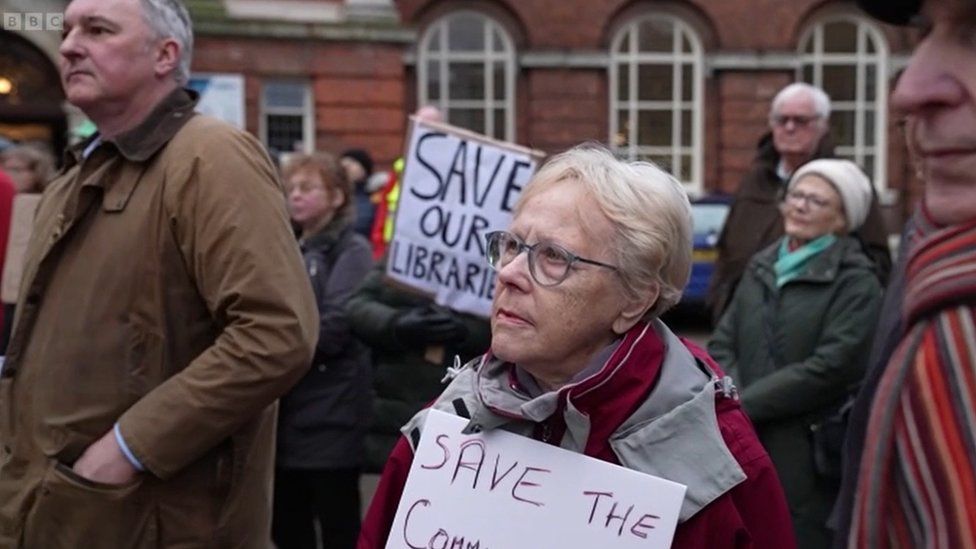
(685, 83)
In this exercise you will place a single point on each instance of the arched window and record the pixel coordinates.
(847, 56)
(656, 73)
(467, 69)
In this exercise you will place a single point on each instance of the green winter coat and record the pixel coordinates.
(794, 353)
(404, 379)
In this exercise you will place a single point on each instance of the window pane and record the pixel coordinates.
(840, 82)
(869, 44)
(472, 119)
(434, 43)
(467, 81)
(624, 45)
(623, 82)
(497, 44)
(808, 74)
(655, 82)
(842, 127)
(870, 82)
(687, 82)
(869, 122)
(656, 35)
(433, 80)
(662, 161)
(499, 75)
(868, 166)
(466, 33)
(808, 46)
(686, 129)
(284, 95)
(685, 43)
(284, 132)
(622, 137)
(840, 37)
(685, 172)
(654, 128)
(499, 117)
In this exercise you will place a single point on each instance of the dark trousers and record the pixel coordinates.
(303, 496)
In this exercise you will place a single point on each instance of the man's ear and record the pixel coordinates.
(634, 309)
(167, 57)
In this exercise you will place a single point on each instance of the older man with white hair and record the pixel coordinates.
(164, 308)
(798, 133)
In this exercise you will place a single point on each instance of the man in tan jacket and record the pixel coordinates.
(163, 309)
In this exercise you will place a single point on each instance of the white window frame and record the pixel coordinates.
(863, 102)
(677, 58)
(445, 57)
(306, 111)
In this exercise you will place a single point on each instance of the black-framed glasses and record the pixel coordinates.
(549, 264)
(798, 120)
(809, 200)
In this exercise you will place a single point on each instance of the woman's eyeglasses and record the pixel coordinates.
(549, 264)
(802, 198)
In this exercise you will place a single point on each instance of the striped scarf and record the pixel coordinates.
(917, 482)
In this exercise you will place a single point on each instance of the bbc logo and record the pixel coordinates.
(50, 21)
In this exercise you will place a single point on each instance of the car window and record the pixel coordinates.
(708, 218)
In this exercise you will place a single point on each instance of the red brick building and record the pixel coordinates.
(686, 83)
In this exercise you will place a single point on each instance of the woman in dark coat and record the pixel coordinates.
(323, 420)
(797, 333)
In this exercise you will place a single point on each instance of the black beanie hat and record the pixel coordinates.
(361, 156)
(895, 12)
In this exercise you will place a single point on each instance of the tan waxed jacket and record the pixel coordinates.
(163, 290)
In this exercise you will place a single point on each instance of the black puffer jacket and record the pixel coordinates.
(322, 421)
(407, 375)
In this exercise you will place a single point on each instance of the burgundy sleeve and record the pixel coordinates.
(379, 518)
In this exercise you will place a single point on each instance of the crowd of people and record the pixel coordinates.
(202, 348)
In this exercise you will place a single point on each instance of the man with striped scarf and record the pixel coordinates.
(916, 478)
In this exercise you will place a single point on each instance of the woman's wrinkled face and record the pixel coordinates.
(553, 331)
(812, 209)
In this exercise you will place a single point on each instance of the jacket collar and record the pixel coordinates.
(143, 141)
(327, 237)
(824, 268)
(672, 432)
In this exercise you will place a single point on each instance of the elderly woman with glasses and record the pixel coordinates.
(797, 333)
(597, 250)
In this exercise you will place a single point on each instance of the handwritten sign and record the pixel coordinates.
(497, 490)
(456, 187)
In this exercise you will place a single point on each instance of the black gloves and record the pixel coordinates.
(425, 325)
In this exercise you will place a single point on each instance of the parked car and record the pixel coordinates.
(708, 217)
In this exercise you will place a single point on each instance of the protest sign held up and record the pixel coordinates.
(456, 187)
(498, 490)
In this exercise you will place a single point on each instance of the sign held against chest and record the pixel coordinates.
(498, 490)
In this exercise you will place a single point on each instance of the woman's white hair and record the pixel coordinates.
(169, 19)
(648, 209)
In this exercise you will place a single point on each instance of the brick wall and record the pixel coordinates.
(358, 88)
(364, 90)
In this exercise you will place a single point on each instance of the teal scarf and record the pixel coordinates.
(789, 264)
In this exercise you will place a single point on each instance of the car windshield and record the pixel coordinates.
(708, 218)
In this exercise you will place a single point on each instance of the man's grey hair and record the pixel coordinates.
(821, 101)
(169, 19)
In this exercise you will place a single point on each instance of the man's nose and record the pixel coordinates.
(69, 47)
(927, 82)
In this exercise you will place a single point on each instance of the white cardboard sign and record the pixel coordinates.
(456, 187)
(498, 490)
